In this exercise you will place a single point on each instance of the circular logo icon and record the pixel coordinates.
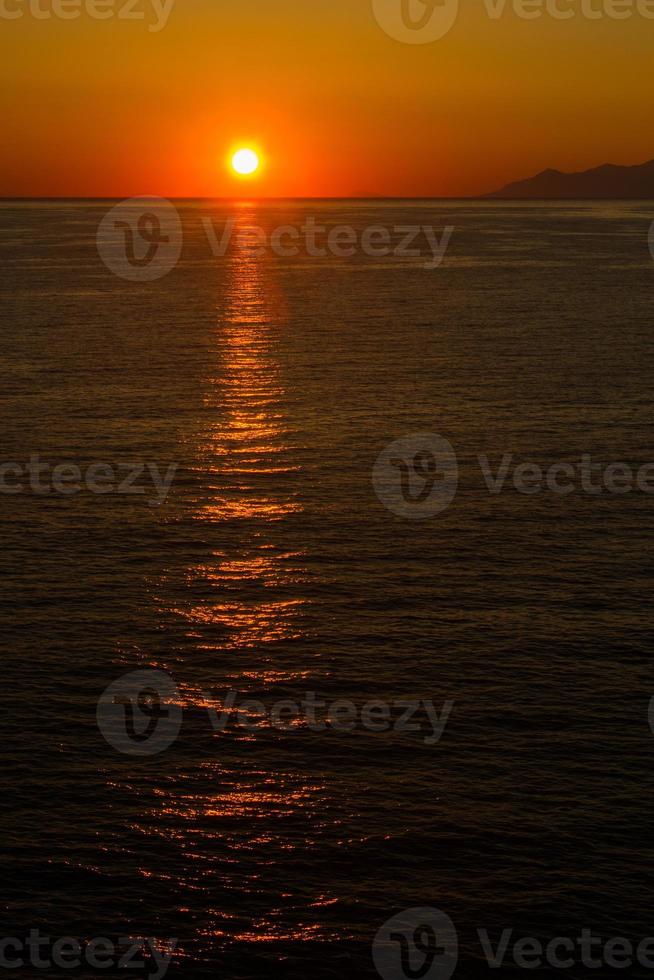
(140, 713)
(416, 477)
(417, 944)
(416, 21)
(141, 238)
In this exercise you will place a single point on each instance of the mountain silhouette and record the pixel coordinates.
(607, 181)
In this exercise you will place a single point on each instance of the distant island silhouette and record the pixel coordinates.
(607, 181)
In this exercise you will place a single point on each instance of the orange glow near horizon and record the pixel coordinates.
(340, 108)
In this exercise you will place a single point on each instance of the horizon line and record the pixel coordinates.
(253, 198)
(377, 197)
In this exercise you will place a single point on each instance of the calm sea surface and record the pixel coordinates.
(272, 569)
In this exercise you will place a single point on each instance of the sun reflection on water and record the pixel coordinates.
(247, 458)
(232, 819)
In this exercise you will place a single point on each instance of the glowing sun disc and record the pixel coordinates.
(245, 162)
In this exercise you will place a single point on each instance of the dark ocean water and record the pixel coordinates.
(273, 569)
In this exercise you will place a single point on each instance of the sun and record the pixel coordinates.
(245, 162)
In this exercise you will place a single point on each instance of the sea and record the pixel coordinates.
(259, 456)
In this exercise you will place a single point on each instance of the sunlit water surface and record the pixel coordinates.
(273, 570)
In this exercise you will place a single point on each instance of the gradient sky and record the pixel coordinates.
(107, 108)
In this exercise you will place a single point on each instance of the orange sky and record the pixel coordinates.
(109, 108)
